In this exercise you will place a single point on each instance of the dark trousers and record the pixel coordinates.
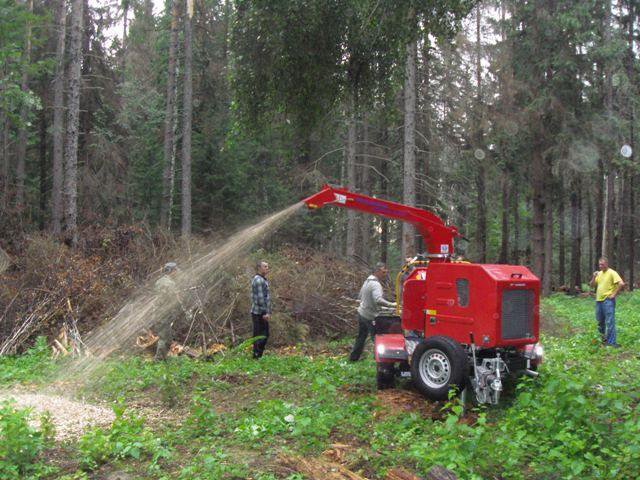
(365, 327)
(165, 337)
(260, 329)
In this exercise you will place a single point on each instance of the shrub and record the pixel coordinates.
(22, 444)
(34, 365)
(127, 438)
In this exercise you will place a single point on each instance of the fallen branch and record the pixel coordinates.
(316, 469)
(21, 333)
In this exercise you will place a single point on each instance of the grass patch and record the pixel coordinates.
(233, 415)
(35, 366)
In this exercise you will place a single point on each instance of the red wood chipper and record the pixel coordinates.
(458, 324)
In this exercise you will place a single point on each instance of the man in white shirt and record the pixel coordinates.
(371, 299)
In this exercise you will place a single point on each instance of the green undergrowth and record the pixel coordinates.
(35, 366)
(21, 443)
(229, 418)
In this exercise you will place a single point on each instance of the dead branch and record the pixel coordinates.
(318, 469)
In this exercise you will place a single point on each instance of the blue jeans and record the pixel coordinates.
(605, 314)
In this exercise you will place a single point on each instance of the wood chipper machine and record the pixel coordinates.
(458, 324)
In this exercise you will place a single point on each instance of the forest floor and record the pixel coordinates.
(305, 412)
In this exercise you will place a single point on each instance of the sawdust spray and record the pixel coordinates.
(205, 269)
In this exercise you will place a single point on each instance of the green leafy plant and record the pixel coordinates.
(127, 438)
(21, 444)
(213, 465)
(202, 420)
(33, 366)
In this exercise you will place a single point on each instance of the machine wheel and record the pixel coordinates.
(385, 376)
(438, 364)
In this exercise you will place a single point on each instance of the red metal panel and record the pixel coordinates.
(391, 342)
(435, 306)
(414, 298)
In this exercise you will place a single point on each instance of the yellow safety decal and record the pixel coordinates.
(431, 312)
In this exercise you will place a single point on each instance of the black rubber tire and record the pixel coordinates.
(385, 376)
(437, 365)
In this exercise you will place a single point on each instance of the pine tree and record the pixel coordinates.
(73, 120)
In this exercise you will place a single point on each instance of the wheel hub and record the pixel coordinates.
(435, 368)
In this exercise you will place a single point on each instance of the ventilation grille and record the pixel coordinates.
(517, 314)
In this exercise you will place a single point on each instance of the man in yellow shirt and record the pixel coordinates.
(608, 283)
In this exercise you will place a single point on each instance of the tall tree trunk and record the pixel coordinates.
(621, 257)
(73, 120)
(631, 245)
(561, 239)
(21, 150)
(4, 155)
(384, 223)
(351, 177)
(515, 255)
(504, 243)
(58, 120)
(576, 234)
(409, 172)
(608, 221)
(617, 255)
(125, 24)
(538, 175)
(352, 132)
(43, 162)
(427, 198)
(186, 132)
(590, 237)
(599, 211)
(365, 224)
(629, 221)
(87, 109)
(169, 122)
(547, 276)
(481, 217)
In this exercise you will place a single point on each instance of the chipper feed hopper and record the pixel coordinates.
(458, 324)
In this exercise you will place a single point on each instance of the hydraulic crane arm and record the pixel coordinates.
(438, 237)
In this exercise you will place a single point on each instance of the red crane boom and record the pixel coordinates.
(438, 237)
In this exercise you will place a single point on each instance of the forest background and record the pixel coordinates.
(513, 120)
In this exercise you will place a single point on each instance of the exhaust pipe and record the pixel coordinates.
(531, 373)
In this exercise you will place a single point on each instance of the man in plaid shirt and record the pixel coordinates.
(260, 308)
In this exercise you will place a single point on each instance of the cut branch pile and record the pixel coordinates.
(53, 288)
(318, 468)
